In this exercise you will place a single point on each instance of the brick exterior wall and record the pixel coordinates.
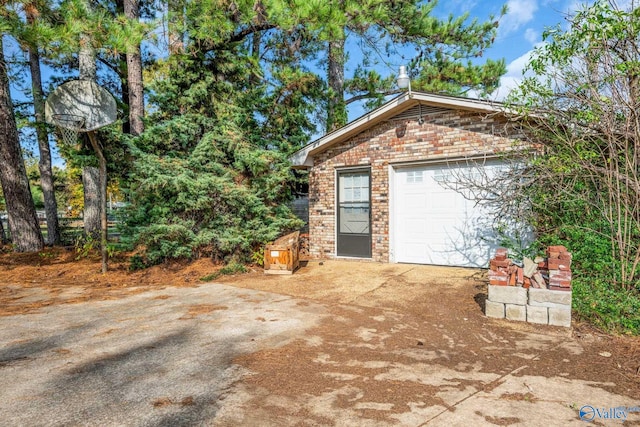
(446, 135)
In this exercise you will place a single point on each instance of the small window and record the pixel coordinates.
(414, 177)
(354, 187)
(442, 176)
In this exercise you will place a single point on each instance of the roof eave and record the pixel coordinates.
(303, 158)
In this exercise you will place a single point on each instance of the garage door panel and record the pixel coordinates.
(417, 251)
(417, 226)
(415, 201)
(440, 198)
(434, 224)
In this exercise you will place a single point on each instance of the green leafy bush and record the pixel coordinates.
(137, 262)
(599, 297)
(187, 208)
(257, 257)
(85, 246)
(605, 306)
(596, 299)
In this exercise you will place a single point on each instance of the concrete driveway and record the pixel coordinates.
(338, 343)
(161, 358)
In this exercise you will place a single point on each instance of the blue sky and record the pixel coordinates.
(520, 31)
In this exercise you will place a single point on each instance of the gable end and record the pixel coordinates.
(419, 111)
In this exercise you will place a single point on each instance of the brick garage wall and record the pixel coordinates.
(451, 134)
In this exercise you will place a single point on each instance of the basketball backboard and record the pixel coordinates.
(83, 99)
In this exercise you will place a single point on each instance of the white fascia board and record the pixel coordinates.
(303, 158)
(460, 103)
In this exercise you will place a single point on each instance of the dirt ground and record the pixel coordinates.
(31, 281)
(415, 316)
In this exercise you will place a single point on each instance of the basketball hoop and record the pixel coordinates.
(84, 106)
(80, 106)
(70, 125)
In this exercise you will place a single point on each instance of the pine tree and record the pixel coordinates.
(201, 185)
(23, 222)
(46, 173)
(446, 48)
(30, 26)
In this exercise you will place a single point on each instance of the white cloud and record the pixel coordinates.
(519, 13)
(512, 78)
(531, 35)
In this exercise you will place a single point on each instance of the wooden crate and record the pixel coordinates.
(282, 256)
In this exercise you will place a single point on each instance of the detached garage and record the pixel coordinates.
(384, 186)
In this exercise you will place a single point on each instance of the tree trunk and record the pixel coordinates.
(175, 26)
(91, 184)
(134, 76)
(87, 59)
(90, 174)
(103, 199)
(124, 91)
(46, 174)
(23, 222)
(336, 110)
(121, 69)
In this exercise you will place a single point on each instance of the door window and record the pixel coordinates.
(353, 194)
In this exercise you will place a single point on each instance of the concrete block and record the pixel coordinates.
(516, 312)
(494, 309)
(560, 316)
(537, 314)
(550, 305)
(508, 294)
(549, 298)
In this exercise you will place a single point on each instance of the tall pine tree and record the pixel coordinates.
(23, 222)
(202, 184)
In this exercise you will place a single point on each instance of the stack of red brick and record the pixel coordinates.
(552, 272)
(503, 272)
(558, 268)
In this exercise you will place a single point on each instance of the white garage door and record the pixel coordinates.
(435, 224)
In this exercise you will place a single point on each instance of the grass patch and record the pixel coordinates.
(231, 268)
